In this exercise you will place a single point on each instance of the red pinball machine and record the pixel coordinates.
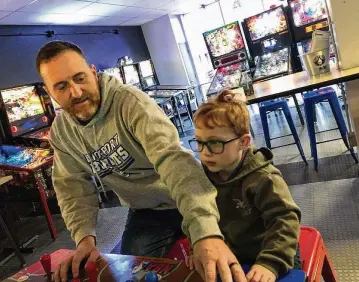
(24, 129)
(29, 194)
(26, 114)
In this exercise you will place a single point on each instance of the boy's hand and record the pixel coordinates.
(189, 262)
(259, 273)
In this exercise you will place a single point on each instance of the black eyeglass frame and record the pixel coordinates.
(205, 143)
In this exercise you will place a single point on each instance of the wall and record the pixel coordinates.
(164, 51)
(345, 15)
(18, 53)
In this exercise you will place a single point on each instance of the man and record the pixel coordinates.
(117, 134)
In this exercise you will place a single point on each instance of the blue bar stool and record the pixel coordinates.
(273, 105)
(310, 99)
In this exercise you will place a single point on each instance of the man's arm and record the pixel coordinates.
(75, 193)
(178, 169)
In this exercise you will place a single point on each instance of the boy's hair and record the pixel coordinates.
(54, 48)
(227, 109)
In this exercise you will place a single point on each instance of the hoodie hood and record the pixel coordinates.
(108, 86)
(253, 160)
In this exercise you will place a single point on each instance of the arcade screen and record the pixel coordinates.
(146, 68)
(114, 72)
(226, 77)
(268, 23)
(224, 40)
(131, 74)
(24, 109)
(23, 157)
(307, 11)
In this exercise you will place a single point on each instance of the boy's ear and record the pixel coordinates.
(246, 140)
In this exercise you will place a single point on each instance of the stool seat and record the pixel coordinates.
(272, 105)
(314, 97)
(320, 94)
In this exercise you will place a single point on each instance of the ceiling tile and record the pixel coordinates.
(13, 5)
(110, 21)
(4, 14)
(151, 4)
(119, 2)
(99, 9)
(21, 18)
(153, 14)
(171, 6)
(55, 6)
(70, 19)
(136, 21)
(131, 12)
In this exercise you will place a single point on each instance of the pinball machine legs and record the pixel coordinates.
(43, 199)
(15, 247)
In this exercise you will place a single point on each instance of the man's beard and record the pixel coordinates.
(84, 114)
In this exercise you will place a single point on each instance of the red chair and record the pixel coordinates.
(315, 260)
(180, 250)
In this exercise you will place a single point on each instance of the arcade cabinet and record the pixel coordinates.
(228, 55)
(147, 74)
(269, 41)
(131, 75)
(26, 115)
(307, 16)
(116, 72)
(30, 192)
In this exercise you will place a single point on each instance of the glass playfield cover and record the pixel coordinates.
(22, 157)
(272, 64)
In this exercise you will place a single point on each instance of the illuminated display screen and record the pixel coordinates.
(146, 68)
(268, 23)
(21, 103)
(307, 11)
(114, 72)
(24, 110)
(131, 74)
(224, 40)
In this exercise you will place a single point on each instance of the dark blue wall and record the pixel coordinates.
(18, 53)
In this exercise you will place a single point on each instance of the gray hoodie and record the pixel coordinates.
(133, 149)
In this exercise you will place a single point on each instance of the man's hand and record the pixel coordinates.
(259, 273)
(211, 254)
(85, 249)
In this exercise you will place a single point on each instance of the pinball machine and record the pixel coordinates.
(270, 43)
(26, 115)
(131, 75)
(116, 72)
(29, 193)
(147, 74)
(306, 17)
(228, 55)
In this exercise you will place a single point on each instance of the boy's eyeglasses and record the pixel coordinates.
(214, 146)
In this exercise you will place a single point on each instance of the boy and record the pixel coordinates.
(258, 216)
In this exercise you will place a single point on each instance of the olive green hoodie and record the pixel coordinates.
(259, 218)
